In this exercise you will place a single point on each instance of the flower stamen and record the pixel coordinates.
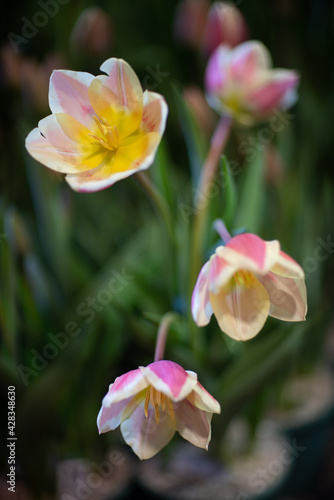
(110, 139)
(160, 402)
(244, 278)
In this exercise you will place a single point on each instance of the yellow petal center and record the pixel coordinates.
(244, 278)
(159, 401)
(109, 133)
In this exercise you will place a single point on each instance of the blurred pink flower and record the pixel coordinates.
(244, 282)
(151, 403)
(102, 129)
(92, 32)
(240, 82)
(224, 24)
(190, 20)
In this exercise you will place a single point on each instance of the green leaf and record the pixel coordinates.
(161, 173)
(251, 206)
(229, 193)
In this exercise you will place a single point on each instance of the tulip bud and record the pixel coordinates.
(224, 24)
(10, 63)
(92, 33)
(190, 21)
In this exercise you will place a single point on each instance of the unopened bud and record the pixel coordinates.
(92, 33)
(190, 21)
(225, 24)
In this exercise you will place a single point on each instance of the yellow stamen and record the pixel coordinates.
(147, 400)
(244, 278)
(170, 408)
(110, 139)
(159, 401)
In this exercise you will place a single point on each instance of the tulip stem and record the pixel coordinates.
(220, 227)
(165, 323)
(209, 169)
(210, 166)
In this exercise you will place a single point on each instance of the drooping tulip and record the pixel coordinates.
(151, 403)
(245, 281)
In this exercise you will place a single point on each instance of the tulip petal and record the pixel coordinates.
(137, 155)
(155, 111)
(286, 266)
(118, 98)
(248, 58)
(249, 252)
(142, 433)
(241, 310)
(200, 303)
(193, 424)
(68, 93)
(271, 93)
(287, 297)
(170, 379)
(216, 74)
(110, 417)
(203, 400)
(220, 273)
(49, 145)
(127, 160)
(125, 386)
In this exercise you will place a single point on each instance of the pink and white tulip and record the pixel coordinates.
(152, 402)
(244, 282)
(240, 82)
(102, 129)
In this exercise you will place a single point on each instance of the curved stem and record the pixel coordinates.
(220, 227)
(210, 166)
(217, 145)
(165, 323)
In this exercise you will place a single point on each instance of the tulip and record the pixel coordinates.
(102, 129)
(189, 22)
(92, 32)
(152, 402)
(245, 281)
(224, 24)
(241, 83)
